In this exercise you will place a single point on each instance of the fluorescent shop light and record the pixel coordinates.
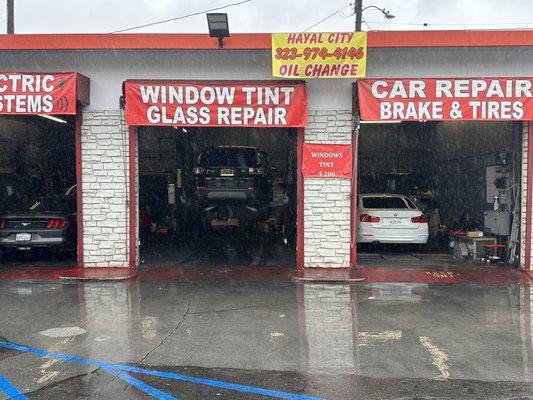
(51, 117)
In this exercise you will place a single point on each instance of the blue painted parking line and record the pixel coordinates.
(10, 390)
(218, 384)
(114, 368)
(140, 385)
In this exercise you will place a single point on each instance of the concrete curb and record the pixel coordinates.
(100, 274)
(329, 275)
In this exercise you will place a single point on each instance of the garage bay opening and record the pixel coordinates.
(217, 197)
(439, 193)
(37, 191)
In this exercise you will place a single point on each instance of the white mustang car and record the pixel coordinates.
(390, 218)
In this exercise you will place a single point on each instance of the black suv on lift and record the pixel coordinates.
(235, 177)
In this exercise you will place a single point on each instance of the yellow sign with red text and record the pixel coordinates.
(319, 55)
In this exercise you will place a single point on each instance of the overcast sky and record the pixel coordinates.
(38, 16)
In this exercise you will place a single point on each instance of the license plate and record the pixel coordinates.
(394, 221)
(227, 172)
(23, 237)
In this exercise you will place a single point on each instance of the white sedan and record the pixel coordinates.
(390, 218)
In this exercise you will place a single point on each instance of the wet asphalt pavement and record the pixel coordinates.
(294, 341)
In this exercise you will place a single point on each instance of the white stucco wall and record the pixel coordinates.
(108, 69)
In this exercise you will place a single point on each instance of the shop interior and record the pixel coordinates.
(465, 176)
(180, 225)
(37, 191)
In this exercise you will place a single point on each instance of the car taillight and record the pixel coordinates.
(368, 218)
(2, 223)
(198, 170)
(421, 219)
(57, 223)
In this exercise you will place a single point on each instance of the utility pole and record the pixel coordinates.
(358, 14)
(10, 16)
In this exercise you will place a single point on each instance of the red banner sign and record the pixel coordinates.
(327, 161)
(37, 93)
(251, 104)
(488, 99)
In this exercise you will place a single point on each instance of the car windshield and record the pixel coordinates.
(385, 202)
(228, 157)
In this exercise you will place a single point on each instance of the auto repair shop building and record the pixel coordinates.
(108, 149)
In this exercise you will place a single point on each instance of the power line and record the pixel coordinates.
(328, 17)
(350, 15)
(182, 17)
(451, 24)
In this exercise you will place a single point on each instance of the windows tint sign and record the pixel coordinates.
(327, 161)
